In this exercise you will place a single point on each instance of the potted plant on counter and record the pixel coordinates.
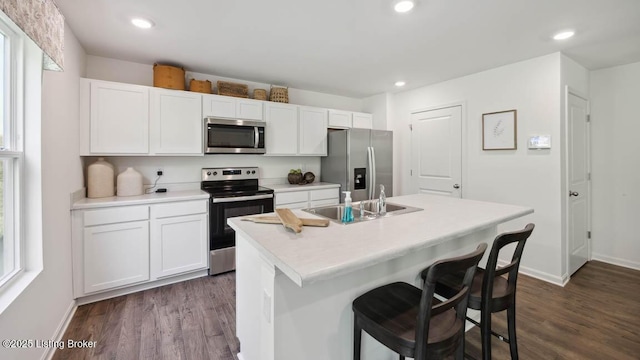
(295, 176)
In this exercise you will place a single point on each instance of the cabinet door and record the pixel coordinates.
(119, 118)
(249, 109)
(313, 131)
(115, 255)
(362, 121)
(339, 119)
(176, 122)
(179, 244)
(281, 134)
(219, 106)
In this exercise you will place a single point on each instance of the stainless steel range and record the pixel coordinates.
(234, 192)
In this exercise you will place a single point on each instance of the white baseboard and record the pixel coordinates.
(540, 275)
(62, 327)
(145, 286)
(616, 261)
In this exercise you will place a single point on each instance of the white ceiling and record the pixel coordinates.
(354, 47)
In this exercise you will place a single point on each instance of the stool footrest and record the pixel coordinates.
(501, 337)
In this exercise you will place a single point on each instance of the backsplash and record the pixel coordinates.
(184, 172)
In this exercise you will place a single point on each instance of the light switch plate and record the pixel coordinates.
(540, 142)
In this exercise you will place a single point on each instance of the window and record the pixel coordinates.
(11, 151)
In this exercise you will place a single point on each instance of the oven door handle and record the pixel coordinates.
(242, 198)
(256, 137)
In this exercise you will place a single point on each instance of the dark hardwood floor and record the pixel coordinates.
(596, 316)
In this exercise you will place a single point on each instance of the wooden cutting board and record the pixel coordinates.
(276, 220)
(289, 220)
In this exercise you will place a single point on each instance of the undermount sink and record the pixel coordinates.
(335, 212)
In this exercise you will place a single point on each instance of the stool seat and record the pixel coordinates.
(502, 295)
(390, 313)
(492, 290)
(410, 321)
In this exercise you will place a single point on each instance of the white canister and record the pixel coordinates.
(130, 183)
(100, 176)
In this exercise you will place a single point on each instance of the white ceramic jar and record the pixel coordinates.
(100, 177)
(130, 183)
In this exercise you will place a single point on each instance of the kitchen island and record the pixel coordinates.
(294, 291)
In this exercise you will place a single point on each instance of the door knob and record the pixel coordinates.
(573, 193)
(456, 186)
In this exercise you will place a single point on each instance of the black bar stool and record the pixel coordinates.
(490, 291)
(410, 321)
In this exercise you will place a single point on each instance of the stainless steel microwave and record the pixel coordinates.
(233, 136)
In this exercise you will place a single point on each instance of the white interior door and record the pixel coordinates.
(578, 181)
(436, 142)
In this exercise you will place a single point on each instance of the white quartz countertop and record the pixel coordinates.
(169, 196)
(279, 188)
(319, 253)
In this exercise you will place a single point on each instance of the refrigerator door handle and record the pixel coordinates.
(370, 170)
(374, 174)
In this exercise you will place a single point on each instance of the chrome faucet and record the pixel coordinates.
(382, 201)
(362, 209)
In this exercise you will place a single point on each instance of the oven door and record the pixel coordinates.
(220, 233)
(231, 136)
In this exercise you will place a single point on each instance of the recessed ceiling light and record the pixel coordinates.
(142, 23)
(564, 35)
(403, 6)
(400, 83)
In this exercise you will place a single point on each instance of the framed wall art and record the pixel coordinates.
(499, 130)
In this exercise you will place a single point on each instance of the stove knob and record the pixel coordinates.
(253, 171)
(209, 173)
(215, 173)
(248, 172)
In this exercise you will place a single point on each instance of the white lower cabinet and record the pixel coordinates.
(301, 199)
(115, 255)
(122, 246)
(179, 243)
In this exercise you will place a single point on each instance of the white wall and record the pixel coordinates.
(42, 308)
(521, 177)
(615, 125)
(379, 106)
(185, 172)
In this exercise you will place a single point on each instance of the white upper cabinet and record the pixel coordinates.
(281, 133)
(362, 120)
(230, 107)
(249, 109)
(312, 138)
(118, 118)
(340, 119)
(220, 106)
(176, 123)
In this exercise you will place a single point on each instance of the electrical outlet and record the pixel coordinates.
(160, 171)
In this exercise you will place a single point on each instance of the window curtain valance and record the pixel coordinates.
(43, 22)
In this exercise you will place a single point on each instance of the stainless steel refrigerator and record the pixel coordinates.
(359, 160)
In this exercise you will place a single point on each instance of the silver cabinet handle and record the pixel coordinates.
(573, 193)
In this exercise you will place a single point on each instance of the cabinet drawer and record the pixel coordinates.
(116, 215)
(292, 197)
(324, 194)
(180, 208)
(298, 205)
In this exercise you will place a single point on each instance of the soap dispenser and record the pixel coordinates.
(347, 216)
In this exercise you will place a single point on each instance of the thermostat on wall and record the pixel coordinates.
(540, 142)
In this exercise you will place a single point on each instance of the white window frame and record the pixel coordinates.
(12, 152)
